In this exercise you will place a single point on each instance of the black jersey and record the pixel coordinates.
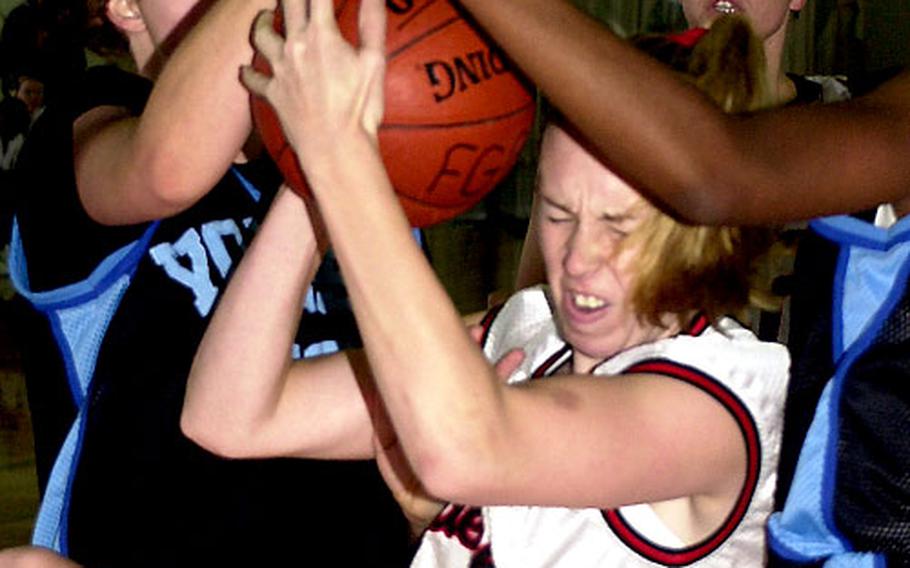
(842, 483)
(843, 486)
(118, 313)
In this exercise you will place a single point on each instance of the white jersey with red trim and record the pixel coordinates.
(748, 376)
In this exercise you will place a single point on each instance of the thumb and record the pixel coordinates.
(509, 363)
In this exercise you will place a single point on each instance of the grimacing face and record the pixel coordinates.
(584, 213)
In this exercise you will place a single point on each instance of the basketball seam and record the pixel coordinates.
(463, 124)
(416, 14)
(438, 28)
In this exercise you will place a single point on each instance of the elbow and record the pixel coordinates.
(703, 197)
(172, 187)
(705, 204)
(155, 191)
(445, 479)
(196, 429)
(169, 181)
(458, 472)
(214, 437)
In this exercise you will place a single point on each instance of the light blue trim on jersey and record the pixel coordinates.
(837, 304)
(872, 268)
(857, 560)
(79, 315)
(51, 524)
(850, 230)
(802, 532)
(247, 184)
(872, 272)
(109, 269)
(870, 275)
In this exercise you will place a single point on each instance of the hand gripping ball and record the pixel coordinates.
(456, 116)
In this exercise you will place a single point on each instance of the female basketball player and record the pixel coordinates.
(139, 200)
(791, 164)
(653, 435)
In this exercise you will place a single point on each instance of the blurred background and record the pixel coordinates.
(475, 254)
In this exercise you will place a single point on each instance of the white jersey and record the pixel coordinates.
(747, 376)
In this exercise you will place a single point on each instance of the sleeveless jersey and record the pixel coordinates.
(845, 488)
(118, 313)
(746, 376)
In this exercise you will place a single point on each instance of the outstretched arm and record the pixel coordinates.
(469, 438)
(132, 169)
(674, 144)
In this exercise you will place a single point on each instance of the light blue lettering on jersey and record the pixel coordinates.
(314, 303)
(213, 234)
(197, 277)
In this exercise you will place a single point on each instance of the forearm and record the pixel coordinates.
(440, 392)
(193, 127)
(637, 114)
(680, 149)
(240, 371)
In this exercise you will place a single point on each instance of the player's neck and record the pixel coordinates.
(782, 88)
(143, 51)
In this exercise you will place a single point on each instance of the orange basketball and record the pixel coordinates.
(456, 116)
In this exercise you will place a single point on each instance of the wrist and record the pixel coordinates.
(341, 161)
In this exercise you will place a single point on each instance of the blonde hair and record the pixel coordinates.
(687, 269)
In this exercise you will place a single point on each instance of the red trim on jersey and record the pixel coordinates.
(544, 368)
(698, 325)
(487, 322)
(740, 413)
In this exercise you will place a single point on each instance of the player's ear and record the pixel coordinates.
(797, 5)
(126, 15)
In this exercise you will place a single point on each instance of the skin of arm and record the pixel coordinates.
(668, 140)
(133, 169)
(469, 438)
(244, 397)
(33, 557)
(270, 399)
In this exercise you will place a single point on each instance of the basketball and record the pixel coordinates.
(456, 116)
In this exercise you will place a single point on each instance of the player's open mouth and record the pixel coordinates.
(585, 302)
(725, 7)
